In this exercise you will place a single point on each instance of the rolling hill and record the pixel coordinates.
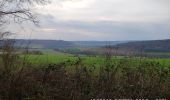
(55, 44)
(147, 46)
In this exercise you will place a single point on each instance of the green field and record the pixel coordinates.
(87, 60)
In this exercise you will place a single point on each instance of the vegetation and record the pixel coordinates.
(87, 60)
(73, 77)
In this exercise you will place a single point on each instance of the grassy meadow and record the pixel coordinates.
(56, 58)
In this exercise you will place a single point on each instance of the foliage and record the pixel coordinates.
(75, 80)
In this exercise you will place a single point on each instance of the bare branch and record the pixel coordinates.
(18, 11)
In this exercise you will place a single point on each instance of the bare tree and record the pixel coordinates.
(17, 11)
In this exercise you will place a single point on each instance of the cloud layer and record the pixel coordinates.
(103, 20)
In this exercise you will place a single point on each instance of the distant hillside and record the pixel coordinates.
(96, 43)
(54, 44)
(147, 46)
(49, 44)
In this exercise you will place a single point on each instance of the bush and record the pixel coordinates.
(114, 80)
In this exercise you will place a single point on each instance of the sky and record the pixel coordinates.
(99, 20)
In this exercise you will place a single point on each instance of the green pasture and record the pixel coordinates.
(88, 60)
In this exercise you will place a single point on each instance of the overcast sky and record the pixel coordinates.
(110, 20)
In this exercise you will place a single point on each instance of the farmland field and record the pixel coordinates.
(87, 60)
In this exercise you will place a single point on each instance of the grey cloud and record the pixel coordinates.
(115, 30)
(105, 20)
